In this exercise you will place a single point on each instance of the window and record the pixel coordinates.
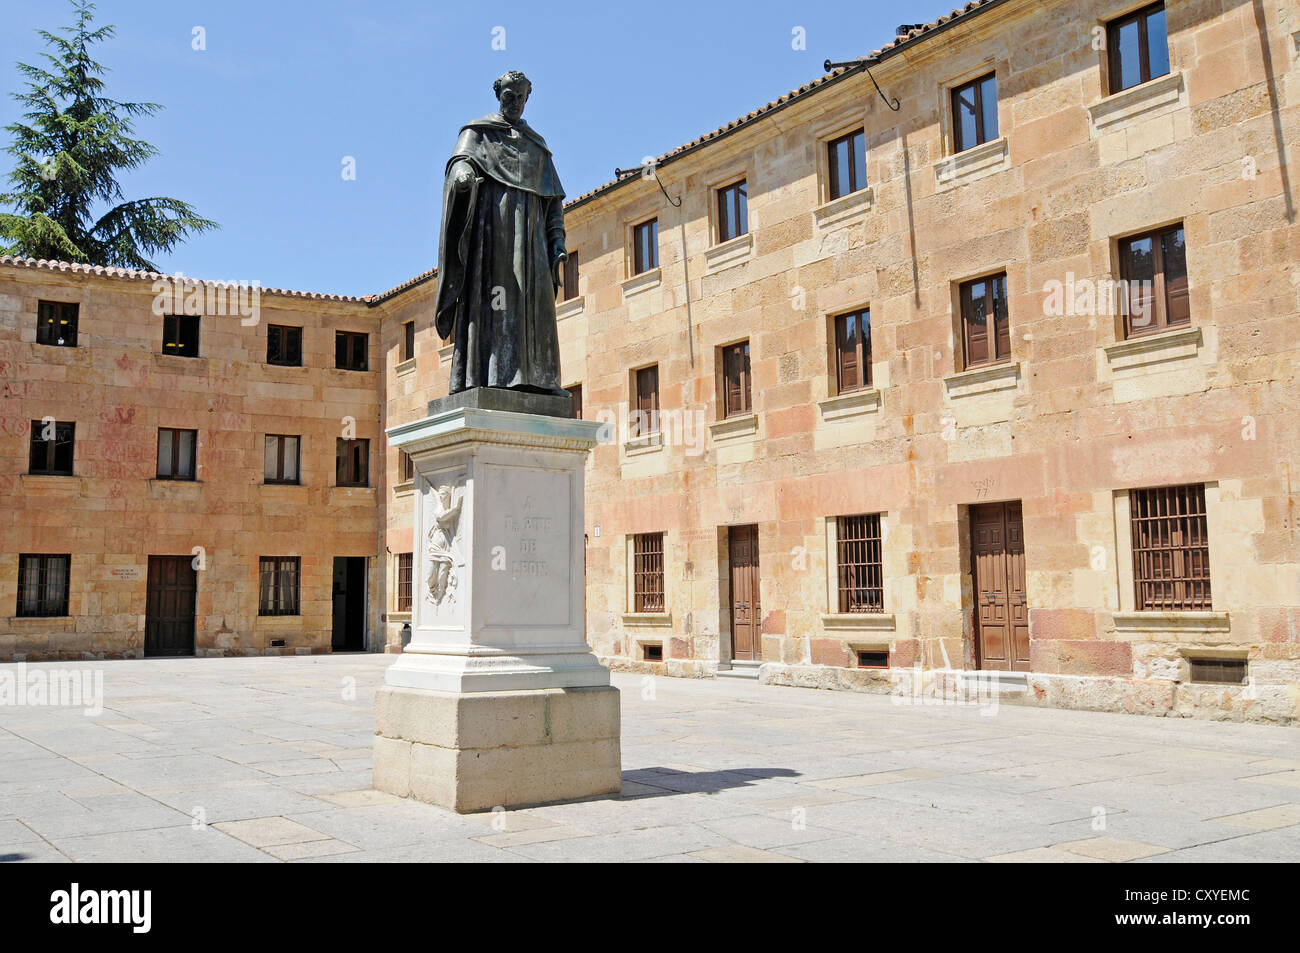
(648, 572)
(51, 451)
(975, 113)
(181, 335)
(735, 380)
(984, 302)
(350, 351)
(352, 463)
(408, 340)
(281, 458)
(575, 391)
(283, 345)
(846, 164)
(1171, 550)
(404, 567)
(652, 651)
(733, 212)
(405, 467)
(279, 588)
(56, 323)
(858, 563)
(176, 453)
(645, 417)
(1154, 270)
(569, 290)
(43, 585)
(1139, 47)
(645, 246)
(873, 659)
(853, 351)
(1218, 671)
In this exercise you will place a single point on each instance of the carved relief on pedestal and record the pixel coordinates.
(443, 548)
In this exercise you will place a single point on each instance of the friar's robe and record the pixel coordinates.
(496, 291)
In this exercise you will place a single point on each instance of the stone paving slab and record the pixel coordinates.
(268, 760)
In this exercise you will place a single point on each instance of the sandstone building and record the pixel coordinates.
(1002, 380)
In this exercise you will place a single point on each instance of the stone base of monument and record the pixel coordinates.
(497, 700)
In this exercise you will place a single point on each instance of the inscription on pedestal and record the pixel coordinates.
(528, 514)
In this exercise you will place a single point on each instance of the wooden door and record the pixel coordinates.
(169, 606)
(746, 614)
(998, 564)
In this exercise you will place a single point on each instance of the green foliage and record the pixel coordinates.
(70, 148)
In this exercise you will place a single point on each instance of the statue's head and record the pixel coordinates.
(512, 89)
(444, 496)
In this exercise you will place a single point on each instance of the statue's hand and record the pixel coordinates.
(559, 258)
(462, 180)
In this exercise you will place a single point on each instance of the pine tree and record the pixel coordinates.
(70, 149)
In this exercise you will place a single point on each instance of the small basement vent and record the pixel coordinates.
(277, 643)
(652, 653)
(1219, 671)
(873, 659)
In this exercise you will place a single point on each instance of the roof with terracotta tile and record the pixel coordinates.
(899, 42)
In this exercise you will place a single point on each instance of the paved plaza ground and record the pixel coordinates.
(265, 759)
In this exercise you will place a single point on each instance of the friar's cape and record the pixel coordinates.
(496, 292)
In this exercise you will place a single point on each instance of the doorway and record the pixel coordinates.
(169, 606)
(349, 604)
(998, 568)
(746, 614)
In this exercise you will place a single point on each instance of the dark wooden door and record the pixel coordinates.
(746, 614)
(1001, 612)
(349, 628)
(169, 606)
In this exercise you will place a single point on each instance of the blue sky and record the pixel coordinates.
(257, 125)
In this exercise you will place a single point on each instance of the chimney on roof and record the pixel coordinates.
(905, 28)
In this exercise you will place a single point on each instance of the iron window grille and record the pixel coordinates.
(405, 563)
(859, 563)
(1171, 552)
(648, 572)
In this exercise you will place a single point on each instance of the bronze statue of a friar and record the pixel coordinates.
(501, 252)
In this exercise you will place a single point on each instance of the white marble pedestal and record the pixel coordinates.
(497, 700)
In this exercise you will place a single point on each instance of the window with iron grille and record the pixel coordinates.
(405, 562)
(43, 584)
(56, 323)
(1171, 549)
(733, 211)
(281, 458)
(986, 329)
(736, 390)
(176, 453)
(1218, 671)
(975, 113)
(283, 345)
(350, 351)
(408, 340)
(648, 572)
(1138, 44)
(52, 448)
(352, 463)
(645, 246)
(645, 419)
(279, 585)
(406, 467)
(181, 335)
(569, 289)
(853, 351)
(859, 565)
(575, 391)
(846, 164)
(1154, 271)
